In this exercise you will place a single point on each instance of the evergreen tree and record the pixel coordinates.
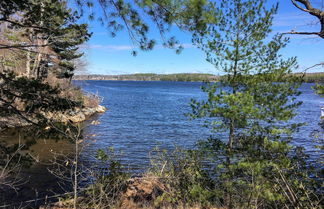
(49, 38)
(251, 107)
(51, 48)
(58, 33)
(115, 15)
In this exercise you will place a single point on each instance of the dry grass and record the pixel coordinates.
(139, 193)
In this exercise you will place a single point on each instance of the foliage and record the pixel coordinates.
(44, 34)
(197, 77)
(39, 42)
(8, 8)
(251, 107)
(314, 77)
(183, 172)
(115, 15)
(67, 38)
(48, 38)
(256, 167)
(109, 181)
(319, 89)
(32, 95)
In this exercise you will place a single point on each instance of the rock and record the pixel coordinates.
(141, 191)
(100, 109)
(95, 122)
(75, 115)
(79, 117)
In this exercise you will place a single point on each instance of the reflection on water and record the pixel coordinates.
(35, 181)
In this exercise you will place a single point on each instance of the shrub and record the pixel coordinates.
(185, 174)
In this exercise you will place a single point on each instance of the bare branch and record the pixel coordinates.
(302, 33)
(316, 65)
(299, 7)
(318, 13)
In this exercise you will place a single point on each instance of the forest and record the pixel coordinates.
(192, 77)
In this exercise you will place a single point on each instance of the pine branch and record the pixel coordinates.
(20, 24)
(4, 46)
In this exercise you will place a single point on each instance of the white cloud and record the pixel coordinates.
(127, 47)
(294, 20)
(109, 47)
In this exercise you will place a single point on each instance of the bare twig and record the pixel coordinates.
(318, 13)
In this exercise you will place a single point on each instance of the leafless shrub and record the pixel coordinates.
(10, 168)
(91, 100)
(67, 166)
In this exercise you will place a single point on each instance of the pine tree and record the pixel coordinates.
(115, 15)
(58, 33)
(250, 109)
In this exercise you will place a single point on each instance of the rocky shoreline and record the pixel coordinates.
(75, 115)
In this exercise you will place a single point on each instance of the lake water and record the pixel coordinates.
(143, 115)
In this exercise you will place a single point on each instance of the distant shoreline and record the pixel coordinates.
(187, 77)
(151, 77)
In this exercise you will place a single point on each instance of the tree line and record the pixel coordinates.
(195, 77)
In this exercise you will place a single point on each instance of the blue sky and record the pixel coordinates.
(111, 56)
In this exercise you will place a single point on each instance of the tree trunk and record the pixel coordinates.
(28, 64)
(228, 196)
(75, 175)
(39, 43)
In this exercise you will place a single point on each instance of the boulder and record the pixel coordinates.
(75, 115)
(100, 109)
